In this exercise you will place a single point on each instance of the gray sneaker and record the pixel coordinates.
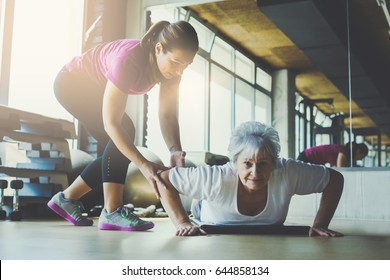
(122, 219)
(69, 209)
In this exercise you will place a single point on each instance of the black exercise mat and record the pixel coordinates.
(256, 229)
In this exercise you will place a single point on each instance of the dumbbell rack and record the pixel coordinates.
(34, 158)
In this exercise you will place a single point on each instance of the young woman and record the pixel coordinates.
(94, 88)
(334, 154)
(255, 188)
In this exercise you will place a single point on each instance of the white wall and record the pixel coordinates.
(366, 196)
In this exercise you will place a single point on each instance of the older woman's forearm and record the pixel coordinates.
(329, 200)
(171, 201)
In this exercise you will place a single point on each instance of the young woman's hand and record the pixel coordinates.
(151, 172)
(178, 158)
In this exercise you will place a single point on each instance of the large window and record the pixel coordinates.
(46, 34)
(221, 89)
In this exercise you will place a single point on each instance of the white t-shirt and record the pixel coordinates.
(216, 186)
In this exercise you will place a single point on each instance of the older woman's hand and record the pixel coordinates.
(319, 231)
(188, 229)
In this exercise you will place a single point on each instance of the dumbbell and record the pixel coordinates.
(16, 214)
(3, 186)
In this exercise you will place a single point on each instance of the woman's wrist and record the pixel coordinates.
(174, 149)
(184, 224)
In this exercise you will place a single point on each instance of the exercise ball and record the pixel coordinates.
(137, 190)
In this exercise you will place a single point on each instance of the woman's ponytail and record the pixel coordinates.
(149, 40)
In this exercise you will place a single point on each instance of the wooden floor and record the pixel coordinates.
(55, 239)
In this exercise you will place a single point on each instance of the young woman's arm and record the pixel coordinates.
(342, 160)
(169, 123)
(114, 104)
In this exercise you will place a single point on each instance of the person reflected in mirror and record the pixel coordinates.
(334, 154)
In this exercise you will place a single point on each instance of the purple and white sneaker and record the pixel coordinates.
(69, 209)
(122, 219)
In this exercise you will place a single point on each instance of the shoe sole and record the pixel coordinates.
(144, 227)
(66, 216)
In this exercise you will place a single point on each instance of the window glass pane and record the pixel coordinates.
(263, 79)
(319, 117)
(220, 110)
(192, 108)
(46, 35)
(262, 108)
(154, 139)
(222, 53)
(243, 102)
(245, 67)
(158, 14)
(322, 139)
(205, 35)
(182, 14)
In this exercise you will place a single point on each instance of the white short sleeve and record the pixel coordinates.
(306, 178)
(202, 182)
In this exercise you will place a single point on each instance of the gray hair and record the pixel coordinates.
(252, 137)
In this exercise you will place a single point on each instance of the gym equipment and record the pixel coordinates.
(3, 186)
(95, 211)
(35, 149)
(145, 212)
(256, 229)
(16, 214)
(160, 212)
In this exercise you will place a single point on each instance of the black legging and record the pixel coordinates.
(84, 99)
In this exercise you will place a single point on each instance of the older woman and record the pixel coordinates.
(255, 188)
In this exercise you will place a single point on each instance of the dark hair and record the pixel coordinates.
(361, 147)
(177, 35)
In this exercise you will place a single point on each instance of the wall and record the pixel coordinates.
(366, 196)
